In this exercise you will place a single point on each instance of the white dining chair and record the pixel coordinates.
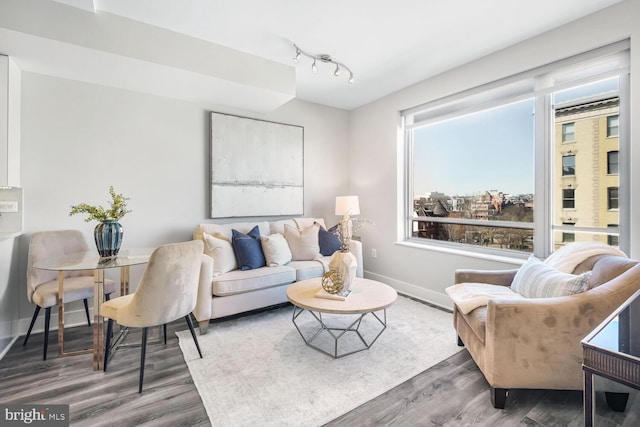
(42, 285)
(166, 292)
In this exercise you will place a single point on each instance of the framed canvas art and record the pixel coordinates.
(257, 167)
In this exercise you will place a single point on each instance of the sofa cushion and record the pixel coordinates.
(248, 249)
(276, 249)
(299, 223)
(224, 230)
(221, 250)
(329, 241)
(239, 281)
(303, 223)
(309, 269)
(304, 244)
(536, 279)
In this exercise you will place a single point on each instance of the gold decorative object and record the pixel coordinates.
(332, 282)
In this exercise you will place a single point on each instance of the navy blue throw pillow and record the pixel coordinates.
(248, 249)
(329, 241)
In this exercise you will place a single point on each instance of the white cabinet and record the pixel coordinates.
(9, 122)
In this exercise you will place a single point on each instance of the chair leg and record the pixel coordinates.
(498, 397)
(193, 333)
(617, 401)
(107, 297)
(33, 320)
(86, 311)
(164, 331)
(47, 319)
(107, 344)
(143, 349)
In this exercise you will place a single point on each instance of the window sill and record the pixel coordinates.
(516, 260)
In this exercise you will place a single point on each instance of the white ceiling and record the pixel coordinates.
(388, 45)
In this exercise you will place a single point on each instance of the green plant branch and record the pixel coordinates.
(98, 213)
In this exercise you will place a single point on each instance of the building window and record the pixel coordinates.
(568, 165)
(474, 185)
(612, 198)
(568, 132)
(612, 163)
(568, 237)
(568, 198)
(612, 126)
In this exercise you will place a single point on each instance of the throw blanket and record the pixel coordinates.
(469, 296)
(567, 258)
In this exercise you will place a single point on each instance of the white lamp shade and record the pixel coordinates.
(347, 205)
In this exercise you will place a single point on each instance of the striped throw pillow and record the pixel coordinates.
(536, 279)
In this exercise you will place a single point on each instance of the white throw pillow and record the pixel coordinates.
(304, 244)
(276, 249)
(221, 250)
(536, 279)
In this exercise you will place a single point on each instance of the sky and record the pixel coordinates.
(488, 150)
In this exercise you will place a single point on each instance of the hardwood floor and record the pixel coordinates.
(96, 398)
(452, 393)
(455, 393)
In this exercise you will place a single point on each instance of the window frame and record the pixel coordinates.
(566, 199)
(617, 162)
(566, 156)
(510, 90)
(610, 190)
(616, 127)
(565, 134)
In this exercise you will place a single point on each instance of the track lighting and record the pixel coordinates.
(322, 58)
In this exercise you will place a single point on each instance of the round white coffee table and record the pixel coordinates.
(367, 297)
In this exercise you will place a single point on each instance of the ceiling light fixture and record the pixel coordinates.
(323, 58)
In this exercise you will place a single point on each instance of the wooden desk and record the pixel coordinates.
(91, 261)
(612, 351)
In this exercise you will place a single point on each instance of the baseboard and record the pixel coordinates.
(417, 292)
(8, 347)
(71, 318)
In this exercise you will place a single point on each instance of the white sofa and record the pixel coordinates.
(224, 293)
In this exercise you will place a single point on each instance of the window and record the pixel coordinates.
(612, 126)
(568, 132)
(612, 163)
(568, 198)
(612, 240)
(568, 165)
(568, 237)
(612, 198)
(475, 185)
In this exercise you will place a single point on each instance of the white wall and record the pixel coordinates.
(79, 138)
(8, 291)
(376, 163)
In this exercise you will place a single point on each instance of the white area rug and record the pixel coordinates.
(257, 370)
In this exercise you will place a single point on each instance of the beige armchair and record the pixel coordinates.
(534, 343)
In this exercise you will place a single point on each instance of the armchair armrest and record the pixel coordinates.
(202, 310)
(494, 277)
(535, 342)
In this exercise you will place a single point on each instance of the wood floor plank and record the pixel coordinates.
(452, 393)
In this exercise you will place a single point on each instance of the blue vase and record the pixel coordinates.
(108, 236)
